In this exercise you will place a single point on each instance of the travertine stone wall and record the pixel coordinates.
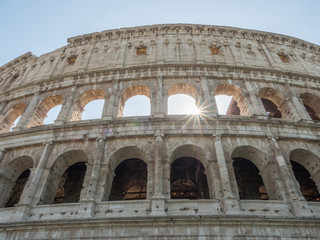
(159, 61)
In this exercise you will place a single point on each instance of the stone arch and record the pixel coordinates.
(131, 92)
(187, 173)
(9, 175)
(56, 179)
(43, 108)
(238, 104)
(188, 150)
(126, 153)
(84, 99)
(11, 115)
(130, 175)
(248, 157)
(182, 88)
(275, 103)
(311, 163)
(311, 103)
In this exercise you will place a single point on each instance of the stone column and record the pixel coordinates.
(295, 105)
(67, 107)
(208, 106)
(88, 199)
(26, 116)
(254, 101)
(300, 109)
(110, 109)
(298, 203)
(2, 153)
(229, 203)
(160, 111)
(32, 191)
(158, 199)
(29, 196)
(94, 177)
(212, 179)
(316, 178)
(166, 178)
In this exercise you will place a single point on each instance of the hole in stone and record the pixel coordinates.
(141, 51)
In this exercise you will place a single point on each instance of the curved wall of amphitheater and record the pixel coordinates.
(125, 189)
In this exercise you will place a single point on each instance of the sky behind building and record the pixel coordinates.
(41, 26)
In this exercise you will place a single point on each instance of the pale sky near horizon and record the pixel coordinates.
(41, 26)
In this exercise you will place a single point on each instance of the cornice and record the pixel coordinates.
(192, 29)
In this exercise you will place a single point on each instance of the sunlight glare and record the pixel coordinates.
(182, 104)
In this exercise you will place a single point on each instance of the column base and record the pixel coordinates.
(230, 205)
(22, 213)
(87, 208)
(300, 208)
(158, 205)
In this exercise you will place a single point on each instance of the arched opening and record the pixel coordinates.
(11, 117)
(65, 180)
(305, 168)
(254, 179)
(275, 104)
(13, 178)
(130, 181)
(135, 101)
(187, 175)
(188, 180)
(43, 109)
(312, 105)
(250, 184)
(52, 115)
(70, 185)
(230, 100)
(271, 108)
(182, 104)
(137, 106)
(308, 187)
(89, 106)
(17, 190)
(183, 98)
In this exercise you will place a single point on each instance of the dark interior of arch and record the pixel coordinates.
(17, 190)
(70, 184)
(130, 181)
(271, 108)
(187, 179)
(308, 187)
(250, 184)
(311, 113)
(233, 108)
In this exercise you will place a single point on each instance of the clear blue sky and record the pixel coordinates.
(41, 26)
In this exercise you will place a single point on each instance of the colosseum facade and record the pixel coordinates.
(250, 174)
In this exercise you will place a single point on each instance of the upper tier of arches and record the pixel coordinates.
(269, 100)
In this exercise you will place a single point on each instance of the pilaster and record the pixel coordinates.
(229, 203)
(298, 203)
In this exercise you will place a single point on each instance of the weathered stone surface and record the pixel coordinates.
(272, 121)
